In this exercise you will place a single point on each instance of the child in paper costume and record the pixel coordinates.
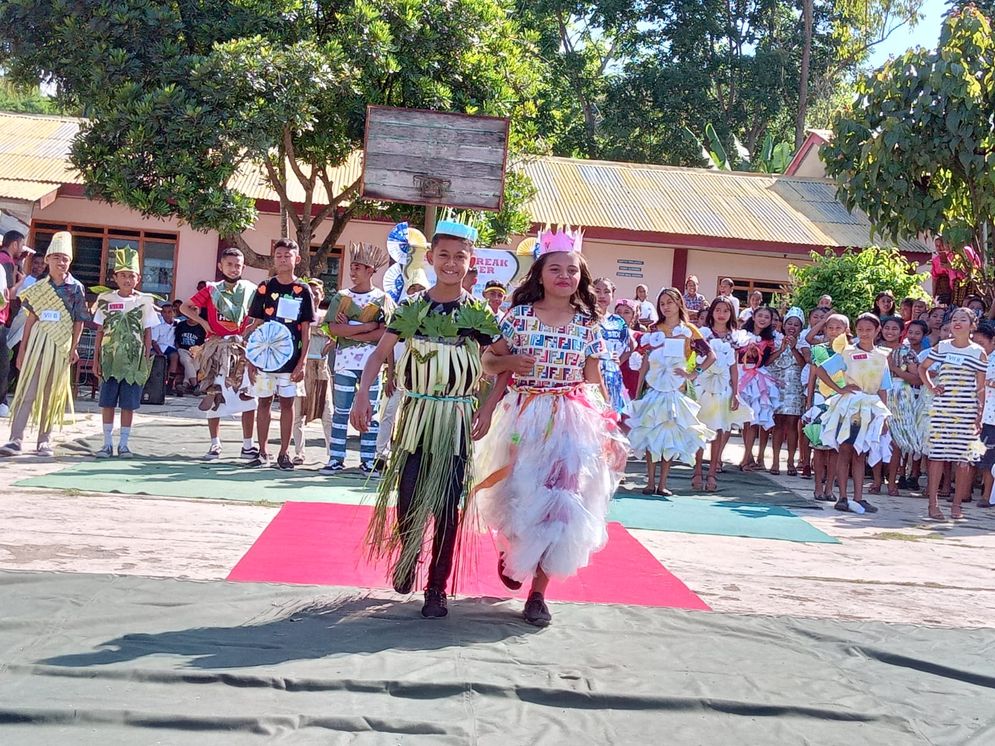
(664, 421)
(555, 454)
(618, 339)
(56, 312)
(356, 319)
(717, 387)
(856, 418)
(122, 353)
(429, 474)
(221, 363)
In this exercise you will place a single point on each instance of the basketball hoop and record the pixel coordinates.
(431, 187)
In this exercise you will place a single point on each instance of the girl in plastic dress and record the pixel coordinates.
(717, 387)
(757, 386)
(664, 421)
(554, 454)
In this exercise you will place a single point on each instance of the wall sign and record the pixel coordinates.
(629, 268)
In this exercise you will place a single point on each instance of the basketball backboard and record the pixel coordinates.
(434, 158)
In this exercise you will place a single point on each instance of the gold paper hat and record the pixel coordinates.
(368, 255)
(62, 243)
(417, 277)
(126, 260)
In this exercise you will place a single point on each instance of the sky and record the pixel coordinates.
(925, 34)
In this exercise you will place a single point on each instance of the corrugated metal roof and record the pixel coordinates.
(696, 202)
(603, 194)
(27, 191)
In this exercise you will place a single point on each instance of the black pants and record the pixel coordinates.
(446, 523)
(5, 365)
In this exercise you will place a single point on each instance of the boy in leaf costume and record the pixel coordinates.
(428, 476)
(122, 355)
(56, 310)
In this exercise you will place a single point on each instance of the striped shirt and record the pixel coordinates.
(954, 413)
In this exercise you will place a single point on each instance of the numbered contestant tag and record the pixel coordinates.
(955, 359)
(289, 309)
(51, 316)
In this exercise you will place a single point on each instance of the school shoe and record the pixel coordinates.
(13, 448)
(263, 459)
(536, 612)
(124, 452)
(213, 453)
(868, 508)
(370, 468)
(105, 452)
(332, 467)
(283, 462)
(435, 603)
(249, 453)
(45, 449)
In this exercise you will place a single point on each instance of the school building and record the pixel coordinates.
(643, 224)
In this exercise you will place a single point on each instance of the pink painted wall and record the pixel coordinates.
(197, 251)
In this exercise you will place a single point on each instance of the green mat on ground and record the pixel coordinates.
(222, 480)
(716, 516)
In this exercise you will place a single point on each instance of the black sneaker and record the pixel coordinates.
(332, 467)
(902, 483)
(868, 508)
(826, 498)
(404, 584)
(841, 505)
(370, 468)
(435, 604)
(250, 453)
(284, 463)
(263, 459)
(536, 612)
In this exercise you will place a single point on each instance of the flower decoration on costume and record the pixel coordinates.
(741, 338)
(654, 339)
(635, 361)
(682, 331)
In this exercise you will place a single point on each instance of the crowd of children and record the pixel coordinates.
(560, 386)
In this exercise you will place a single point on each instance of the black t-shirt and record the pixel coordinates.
(189, 335)
(450, 307)
(289, 304)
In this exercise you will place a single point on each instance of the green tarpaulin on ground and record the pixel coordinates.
(88, 659)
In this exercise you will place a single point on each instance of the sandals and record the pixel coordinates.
(697, 483)
(958, 516)
(792, 471)
(874, 490)
(774, 471)
(648, 490)
(711, 485)
(892, 492)
(936, 515)
(664, 492)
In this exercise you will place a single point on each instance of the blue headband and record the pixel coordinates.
(457, 230)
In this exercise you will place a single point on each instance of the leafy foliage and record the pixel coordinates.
(770, 159)
(477, 316)
(439, 326)
(916, 151)
(853, 279)
(179, 96)
(408, 317)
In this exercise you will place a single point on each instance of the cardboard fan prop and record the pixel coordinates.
(270, 347)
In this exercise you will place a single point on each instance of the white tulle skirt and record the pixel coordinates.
(547, 469)
(667, 425)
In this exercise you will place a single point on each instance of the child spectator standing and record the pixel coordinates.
(56, 312)
(190, 336)
(122, 351)
(164, 343)
(316, 403)
(985, 336)
(282, 299)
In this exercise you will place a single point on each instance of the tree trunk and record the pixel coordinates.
(252, 258)
(807, 13)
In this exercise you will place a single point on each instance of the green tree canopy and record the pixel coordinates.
(853, 279)
(179, 95)
(916, 150)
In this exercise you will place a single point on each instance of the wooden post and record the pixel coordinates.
(431, 212)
